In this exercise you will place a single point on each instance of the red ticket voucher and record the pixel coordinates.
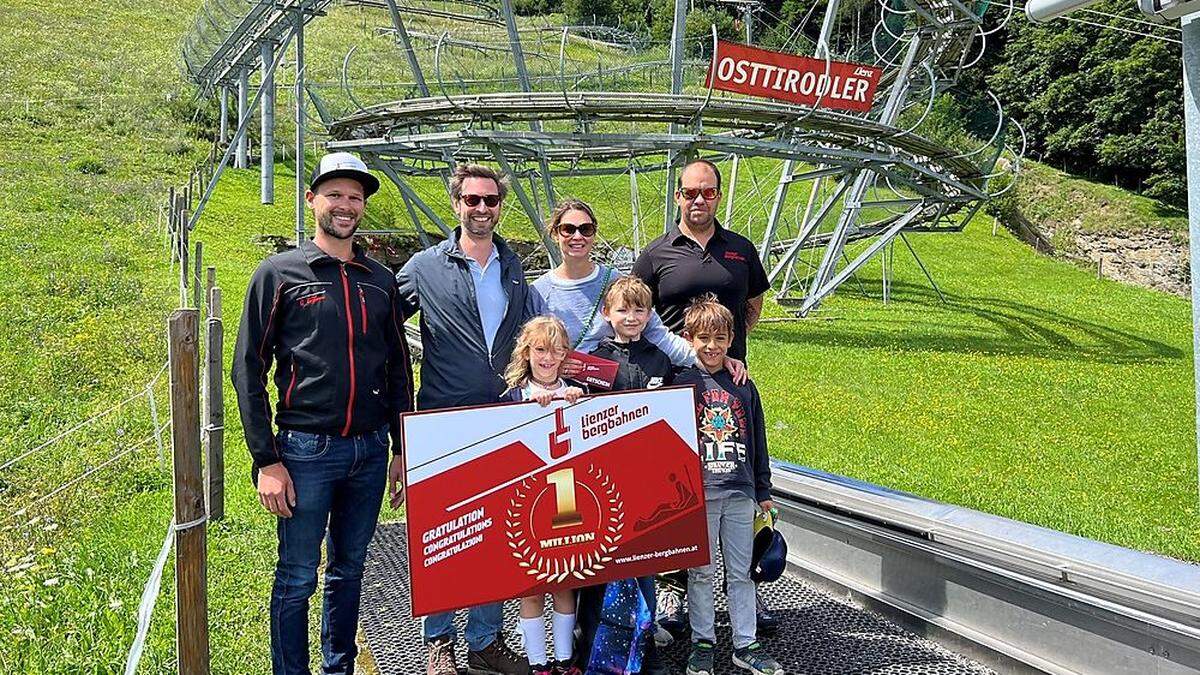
(597, 372)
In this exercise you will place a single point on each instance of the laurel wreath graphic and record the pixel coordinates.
(578, 565)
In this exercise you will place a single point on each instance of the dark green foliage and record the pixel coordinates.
(632, 15)
(536, 7)
(698, 30)
(1096, 102)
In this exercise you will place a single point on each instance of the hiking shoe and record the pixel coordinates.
(566, 668)
(766, 621)
(662, 636)
(440, 659)
(496, 659)
(700, 662)
(756, 660)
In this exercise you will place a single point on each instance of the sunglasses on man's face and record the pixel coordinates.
(569, 229)
(473, 200)
(688, 194)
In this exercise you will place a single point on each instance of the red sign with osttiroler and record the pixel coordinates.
(788, 77)
(512, 500)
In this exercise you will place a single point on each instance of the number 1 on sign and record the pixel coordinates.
(563, 481)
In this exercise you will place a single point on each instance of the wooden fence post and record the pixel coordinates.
(191, 593)
(171, 217)
(199, 265)
(184, 246)
(214, 423)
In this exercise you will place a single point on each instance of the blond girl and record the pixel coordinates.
(533, 375)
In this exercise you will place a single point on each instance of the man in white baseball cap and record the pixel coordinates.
(326, 317)
(343, 165)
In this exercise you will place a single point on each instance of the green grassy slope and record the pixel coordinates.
(1037, 392)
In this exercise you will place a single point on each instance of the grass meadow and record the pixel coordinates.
(1036, 392)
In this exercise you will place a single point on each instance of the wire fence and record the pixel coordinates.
(83, 457)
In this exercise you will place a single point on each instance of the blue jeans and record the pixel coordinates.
(339, 485)
(731, 523)
(483, 625)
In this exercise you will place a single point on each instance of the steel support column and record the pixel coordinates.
(635, 200)
(411, 196)
(1191, 116)
(301, 178)
(837, 241)
(243, 126)
(530, 207)
(781, 190)
(677, 30)
(224, 115)
(514, 41)
(730, 188)
(242, 160)
(267, 107)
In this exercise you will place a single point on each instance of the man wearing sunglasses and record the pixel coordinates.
(699, 256)
(472, 296)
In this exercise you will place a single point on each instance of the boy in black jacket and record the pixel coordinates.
(626, 306)
(641, 365)
(737, 479)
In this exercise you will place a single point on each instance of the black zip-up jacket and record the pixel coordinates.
(333, 330)
(640, 365)
(456, 368)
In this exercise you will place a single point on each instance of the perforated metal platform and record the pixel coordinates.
(818, 633)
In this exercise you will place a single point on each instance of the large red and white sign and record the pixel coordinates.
(511, 500)
(797, 79)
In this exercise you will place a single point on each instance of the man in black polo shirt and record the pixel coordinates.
(700, 256)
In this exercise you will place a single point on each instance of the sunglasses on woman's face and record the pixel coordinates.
(473, 200)
(569, 229)
(709, 193)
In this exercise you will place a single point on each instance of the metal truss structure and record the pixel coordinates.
(544, 113)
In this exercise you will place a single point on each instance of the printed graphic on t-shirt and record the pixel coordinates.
(722, 421)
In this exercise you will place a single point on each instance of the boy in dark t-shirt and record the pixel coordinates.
(627, 305)
(737, 480)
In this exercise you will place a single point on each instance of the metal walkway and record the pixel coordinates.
(819, 633)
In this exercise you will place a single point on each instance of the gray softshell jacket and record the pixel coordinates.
(456, 368)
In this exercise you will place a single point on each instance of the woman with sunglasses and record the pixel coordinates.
(574, 290)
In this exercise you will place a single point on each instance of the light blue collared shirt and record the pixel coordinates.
(489, 295)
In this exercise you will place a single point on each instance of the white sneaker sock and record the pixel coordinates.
(564, 632)
(534, 633)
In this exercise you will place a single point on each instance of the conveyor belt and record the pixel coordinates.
(819, 633)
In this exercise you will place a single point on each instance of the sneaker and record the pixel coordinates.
(566, 667)
(541, 669)
(755, 659)
(766, 621)
(496, 659)
(700, 662)
(440, 660)
(662, 636)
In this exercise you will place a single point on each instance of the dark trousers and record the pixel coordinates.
(339, 485)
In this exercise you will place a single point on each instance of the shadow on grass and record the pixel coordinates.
(976, 324)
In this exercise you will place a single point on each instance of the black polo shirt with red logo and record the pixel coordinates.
(677, 270)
